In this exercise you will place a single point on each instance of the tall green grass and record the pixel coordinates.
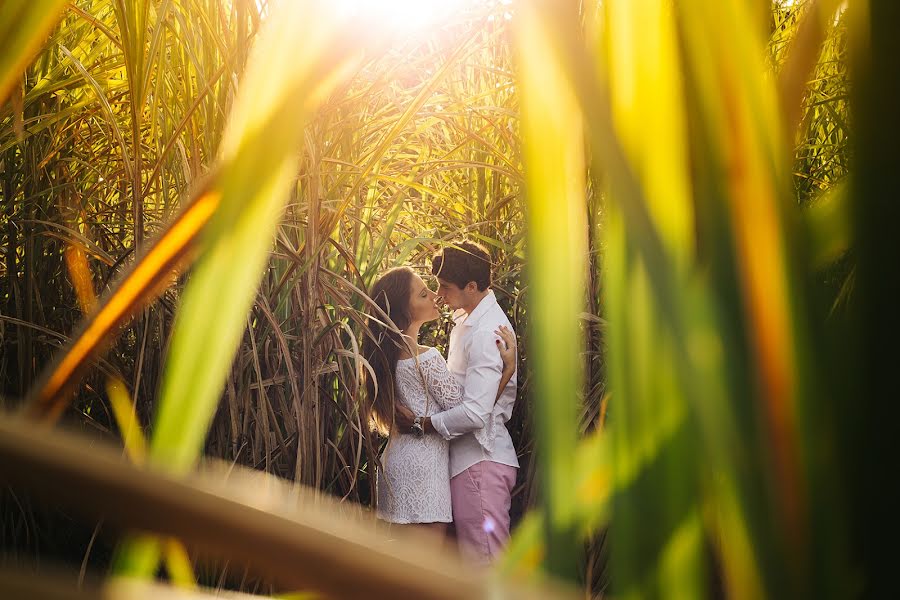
(674, 189)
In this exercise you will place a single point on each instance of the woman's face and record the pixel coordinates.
(422, 306)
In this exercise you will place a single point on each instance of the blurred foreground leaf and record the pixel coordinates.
(303, 51)
(24, 25)
(289, 533)
(557, 264)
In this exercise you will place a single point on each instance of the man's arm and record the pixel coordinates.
(506, 347)
(428, 427)
(483, 377)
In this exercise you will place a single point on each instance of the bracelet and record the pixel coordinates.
(417, 428)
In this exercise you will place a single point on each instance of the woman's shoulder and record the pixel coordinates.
(424, 352)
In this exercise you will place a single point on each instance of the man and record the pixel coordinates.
(483, 462)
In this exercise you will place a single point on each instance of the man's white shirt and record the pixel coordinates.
(476, 428)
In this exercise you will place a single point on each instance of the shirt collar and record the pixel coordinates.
(472, 318)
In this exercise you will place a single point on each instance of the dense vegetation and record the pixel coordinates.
(663, 187)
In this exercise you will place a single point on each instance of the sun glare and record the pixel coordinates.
(406, 16)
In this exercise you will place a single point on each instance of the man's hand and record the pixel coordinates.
(404, 418)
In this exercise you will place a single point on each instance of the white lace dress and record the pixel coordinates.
(414, 485)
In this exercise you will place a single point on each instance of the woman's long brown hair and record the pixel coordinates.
(381, 348)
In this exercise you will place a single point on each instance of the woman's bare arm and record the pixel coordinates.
(507, 347)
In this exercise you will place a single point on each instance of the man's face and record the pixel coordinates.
(451, 294)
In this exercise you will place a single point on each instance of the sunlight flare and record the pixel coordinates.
(407, 16)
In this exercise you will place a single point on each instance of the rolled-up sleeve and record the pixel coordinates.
(483, 374)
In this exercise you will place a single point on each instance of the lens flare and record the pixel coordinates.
(401, 16)
(489, 525)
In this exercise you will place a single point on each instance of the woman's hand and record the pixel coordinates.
(507, 347)
(403, 417)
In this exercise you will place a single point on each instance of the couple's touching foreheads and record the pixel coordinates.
(449, 457)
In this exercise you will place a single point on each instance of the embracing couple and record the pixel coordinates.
(449, 457)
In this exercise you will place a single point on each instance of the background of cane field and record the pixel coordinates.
(688, 205)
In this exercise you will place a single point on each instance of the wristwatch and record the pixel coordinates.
(416, 429)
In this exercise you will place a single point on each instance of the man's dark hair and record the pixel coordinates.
(462, 262)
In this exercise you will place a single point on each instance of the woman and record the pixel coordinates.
(414, 483)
